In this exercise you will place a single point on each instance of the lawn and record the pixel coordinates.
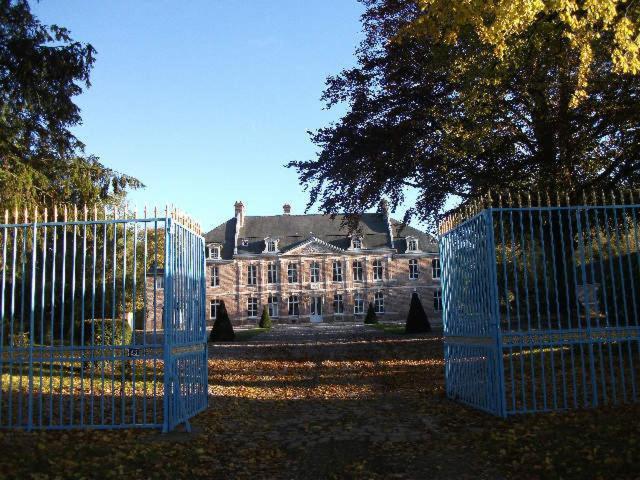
(389, 327)
(369, 407)
(248, 334)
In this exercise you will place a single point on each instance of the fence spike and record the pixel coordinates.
(26, 215)
(35, 215)
(45, 215)
(86, 212)
(631, 199)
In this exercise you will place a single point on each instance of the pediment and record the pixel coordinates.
(313, 246)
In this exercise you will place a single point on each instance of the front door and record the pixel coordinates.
(316, 309)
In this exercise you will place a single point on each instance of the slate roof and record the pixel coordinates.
(293, 230)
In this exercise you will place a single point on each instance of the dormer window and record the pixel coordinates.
(412, 244)
(245, 242)
(356, 243)
(270, 245)
(214, 251)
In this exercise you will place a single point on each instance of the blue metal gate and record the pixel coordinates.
(101, 320)
(541, 304)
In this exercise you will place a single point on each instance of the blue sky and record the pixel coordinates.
(206, 100)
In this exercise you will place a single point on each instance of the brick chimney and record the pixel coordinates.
(286, 209)
(383, 208)
(239, 206)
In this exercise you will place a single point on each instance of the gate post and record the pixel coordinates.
(494, 306)
(166, 320)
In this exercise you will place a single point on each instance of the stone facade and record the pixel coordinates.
(388, 260)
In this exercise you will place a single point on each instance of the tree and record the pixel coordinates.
(433, 106)
(265, 319)
(222, 330)
(417, 320)
(41, 162)
(371, 317)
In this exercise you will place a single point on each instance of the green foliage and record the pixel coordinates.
(417, 320)
(265, 319)
(42, 162)
(448, 118)
(222, 330)
(371, 316)
(107, 332)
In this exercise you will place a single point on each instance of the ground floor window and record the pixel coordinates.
(252, 307)
(294, 305)
(358, 304)
(338, 303)
(273, 306)
(437, 300)
(378, 302)
(213, 309)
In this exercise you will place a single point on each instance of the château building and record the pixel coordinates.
(311, 268)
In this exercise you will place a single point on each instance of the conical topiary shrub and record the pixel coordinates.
(371, 315)
(265, 319)
(417, 320)
(222, 330)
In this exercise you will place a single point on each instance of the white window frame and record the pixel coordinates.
(215, 277)
(378, 270)
(293, 305)
(252, 307)
(272, 272)
(378, 302)
(412, 244)
(358, 271)
(356, 243)
(437, 300)
(414, 269)
(270, 245)
(436, 269)
(214, 303)
(273, 305)
(315, 272)
(337, 271)
(292, 273)
(252, 274)
(215, 251)
(338, 304)
(358, 304)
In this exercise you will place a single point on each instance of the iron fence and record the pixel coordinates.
(541, 304)
(101, 320)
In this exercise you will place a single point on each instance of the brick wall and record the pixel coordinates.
(396, 287)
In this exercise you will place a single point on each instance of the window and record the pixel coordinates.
(412, 245)
(337, 271)
(292, 273)
(214, 305)
(271, 246)
(272, 273)
(358, 304)
(377, 269)
(245, 242)
(435, 268)
(214, 252)
(252, 275)
(315, 272)
(252, 307)
(215, 278)
(437, 300)
(378, 302)
(357, 270)
(294, 305)
(273, 305)
(159, 281)
(413, 269)
(338, 304)
(356, 243)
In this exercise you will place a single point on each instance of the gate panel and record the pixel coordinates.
(185, 333)
(543, 301)
(101, 321)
